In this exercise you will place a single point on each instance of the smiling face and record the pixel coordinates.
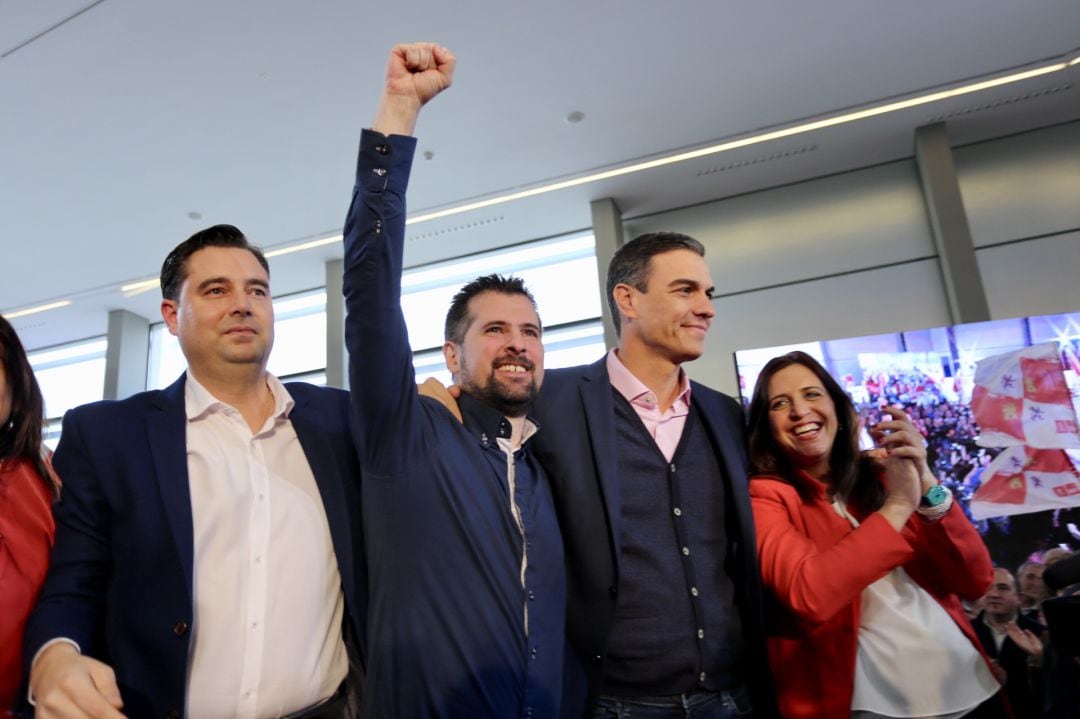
(803, 418)
(672, 316)
(223, 316)
(500, 359)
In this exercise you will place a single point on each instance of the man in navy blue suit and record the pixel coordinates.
(208, 558)
(649, 475)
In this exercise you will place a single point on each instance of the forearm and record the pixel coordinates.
(816, 582)
(956, 555)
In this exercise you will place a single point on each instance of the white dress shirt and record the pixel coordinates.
(267, 635)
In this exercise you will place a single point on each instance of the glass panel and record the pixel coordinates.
(561, 274)
(70, 375)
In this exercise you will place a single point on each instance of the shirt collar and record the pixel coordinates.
(199, 403)
(488, 423)
(635, 391)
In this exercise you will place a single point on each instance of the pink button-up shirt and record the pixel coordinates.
(664, 427)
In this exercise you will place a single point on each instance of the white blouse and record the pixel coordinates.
(912, 660)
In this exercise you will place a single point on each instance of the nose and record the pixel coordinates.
(241, 304)
(705, 308)
(515, 342)
(797, 408)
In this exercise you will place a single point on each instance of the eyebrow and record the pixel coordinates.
(693, 284)
(505, 323)
(254, 282)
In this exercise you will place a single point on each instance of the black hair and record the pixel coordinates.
(457, 317)
(23, 434)
(632, 263)
(174, 268)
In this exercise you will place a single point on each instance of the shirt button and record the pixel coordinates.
(701, 677)
(613, 591)
(382, 149)
(686, 551)
(532, 595)
(672, 466)
(180, 628)
(380, 171)
(533, 653)
(677, 512)
(693, 591)
(701, 634)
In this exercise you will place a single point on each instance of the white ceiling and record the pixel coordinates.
(120, 121)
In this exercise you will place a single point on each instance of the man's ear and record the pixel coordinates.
(169, 310)
(624, 296)
(452, 354)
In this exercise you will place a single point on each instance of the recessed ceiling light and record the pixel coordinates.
(193, 215)
(574, 117)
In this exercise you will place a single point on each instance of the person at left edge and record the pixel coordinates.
(468, 596)
(28, 487)
(206, 558)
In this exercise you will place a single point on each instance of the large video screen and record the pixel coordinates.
(931, 373)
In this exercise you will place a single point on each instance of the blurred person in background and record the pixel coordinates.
(1013, 643)
(27, 489)
(867, 560)
(1032, 589)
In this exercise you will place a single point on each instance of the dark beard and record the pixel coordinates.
(509, 404)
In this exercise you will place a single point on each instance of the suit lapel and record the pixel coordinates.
(600, 419)
(321, 456)
(166, 427)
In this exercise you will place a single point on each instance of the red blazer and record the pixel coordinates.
(816, 566)
(26, 536)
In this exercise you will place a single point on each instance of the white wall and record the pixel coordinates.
(853, 254)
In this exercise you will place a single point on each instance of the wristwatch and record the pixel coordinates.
(934, 496)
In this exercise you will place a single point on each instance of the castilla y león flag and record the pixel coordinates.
(1025, 479)
(1021, 398)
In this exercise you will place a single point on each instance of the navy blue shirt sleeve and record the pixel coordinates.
(387, 417)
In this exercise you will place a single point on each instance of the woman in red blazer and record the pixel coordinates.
(865, 559)
(27, 488)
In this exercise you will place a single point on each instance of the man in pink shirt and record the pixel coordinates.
(649, 473)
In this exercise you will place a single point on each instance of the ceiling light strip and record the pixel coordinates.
(140, 286)
(38, 308)
(746, 141)
(311, 244)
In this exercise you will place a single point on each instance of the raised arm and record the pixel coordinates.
(384, 399)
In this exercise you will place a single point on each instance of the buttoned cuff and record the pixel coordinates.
(384, 162)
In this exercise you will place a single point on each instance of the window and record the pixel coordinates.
(561, 274)
(69, 375)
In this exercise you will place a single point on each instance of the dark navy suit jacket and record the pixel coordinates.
(120, 582)
(578, 449)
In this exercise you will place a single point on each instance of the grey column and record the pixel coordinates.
(126, 355)
(608, 231)
(948, 220)
(337, 359)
